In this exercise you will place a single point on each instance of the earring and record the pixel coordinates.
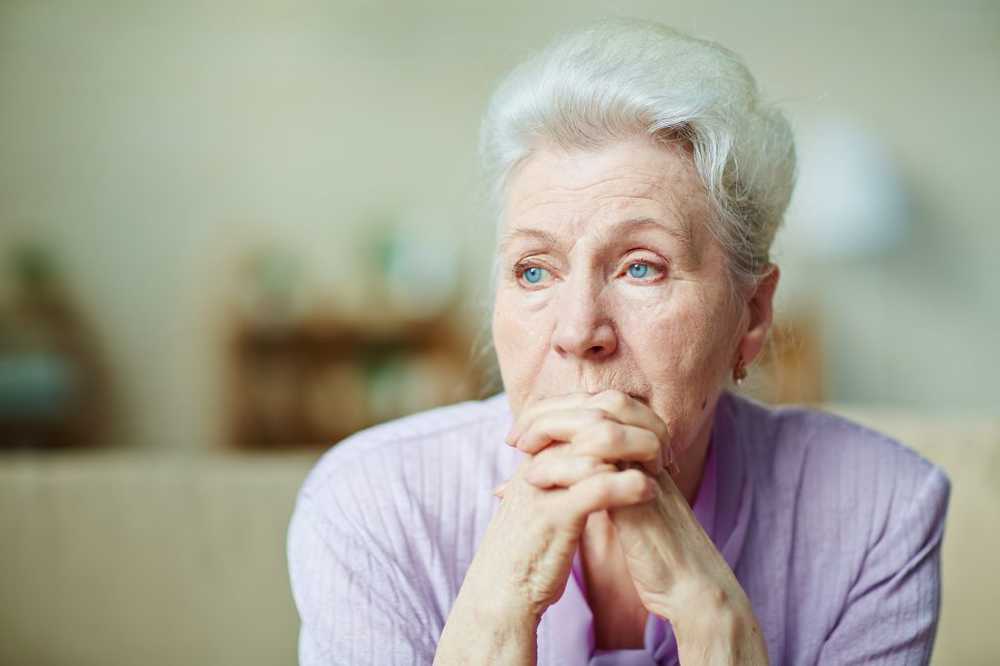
(740, 371)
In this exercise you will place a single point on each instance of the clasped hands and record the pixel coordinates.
(582, 439)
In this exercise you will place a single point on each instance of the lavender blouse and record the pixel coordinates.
(833, 530)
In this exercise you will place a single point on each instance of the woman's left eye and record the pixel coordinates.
(641, 269)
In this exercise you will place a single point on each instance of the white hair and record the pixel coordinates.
(624, 77)
(621, 78)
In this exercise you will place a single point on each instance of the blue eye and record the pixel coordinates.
(533, 274)
(641, 272)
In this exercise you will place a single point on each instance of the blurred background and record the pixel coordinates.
(233, 233)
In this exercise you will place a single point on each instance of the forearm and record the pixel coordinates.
(722, 635)
(478, 634)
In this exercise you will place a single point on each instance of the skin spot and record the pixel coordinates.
(704, 402)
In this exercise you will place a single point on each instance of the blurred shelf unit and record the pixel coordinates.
(313, 382)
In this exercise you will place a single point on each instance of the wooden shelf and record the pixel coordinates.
(314, 382)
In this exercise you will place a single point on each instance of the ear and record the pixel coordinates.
(761, 307)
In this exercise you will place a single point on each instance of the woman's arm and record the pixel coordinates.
(481, 630)
(721, 632)
(357, 603)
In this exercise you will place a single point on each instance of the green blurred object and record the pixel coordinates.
(34, 268)
(273, 290)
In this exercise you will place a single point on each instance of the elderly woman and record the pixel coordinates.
(618, 503)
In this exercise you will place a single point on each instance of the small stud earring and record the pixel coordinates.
(740, 371)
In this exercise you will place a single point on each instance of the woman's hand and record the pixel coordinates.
(527, 552)
(523, 562)
(590, 434)
(610, 426)
(677, 570)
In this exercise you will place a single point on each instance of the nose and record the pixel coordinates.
(583, 328)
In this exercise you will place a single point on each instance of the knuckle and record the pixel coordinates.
(554, 451)
(598, 415)
(543, 454)
(615, 399)
(633, 480)
(613, 433)
(606, 467)
(650, 444)
(603, 493)
(598, 466)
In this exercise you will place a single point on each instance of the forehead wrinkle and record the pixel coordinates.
(614, 232)
(652, 186)
(649, 182)
(510, 236)
(683, 235)
(669, 219)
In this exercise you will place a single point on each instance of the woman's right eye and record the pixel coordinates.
(530, 273)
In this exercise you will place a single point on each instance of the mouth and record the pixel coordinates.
(640, 398)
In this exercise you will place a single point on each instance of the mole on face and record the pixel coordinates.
(704, 402)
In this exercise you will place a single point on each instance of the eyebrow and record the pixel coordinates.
(683, 235)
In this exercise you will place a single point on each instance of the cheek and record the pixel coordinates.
(676, 344)
(681, 350)
(510, 327)
(518, 338)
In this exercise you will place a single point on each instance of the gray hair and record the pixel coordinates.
(622, 77)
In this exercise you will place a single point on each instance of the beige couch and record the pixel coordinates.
(131, 559)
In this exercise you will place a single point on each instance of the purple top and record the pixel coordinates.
(833, 530)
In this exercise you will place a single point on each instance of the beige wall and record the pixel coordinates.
(152, 142)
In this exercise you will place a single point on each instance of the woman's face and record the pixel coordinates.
(609, 279)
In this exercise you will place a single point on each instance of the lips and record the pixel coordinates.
(640, 398)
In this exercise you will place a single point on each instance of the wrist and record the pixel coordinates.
(482, 630)
(722, 629)
(490, 608)
(689, 602)
(483, 594)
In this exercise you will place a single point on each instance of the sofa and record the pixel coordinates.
(123, 557)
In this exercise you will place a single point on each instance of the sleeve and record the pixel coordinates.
(891, 614)
(357, 602)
